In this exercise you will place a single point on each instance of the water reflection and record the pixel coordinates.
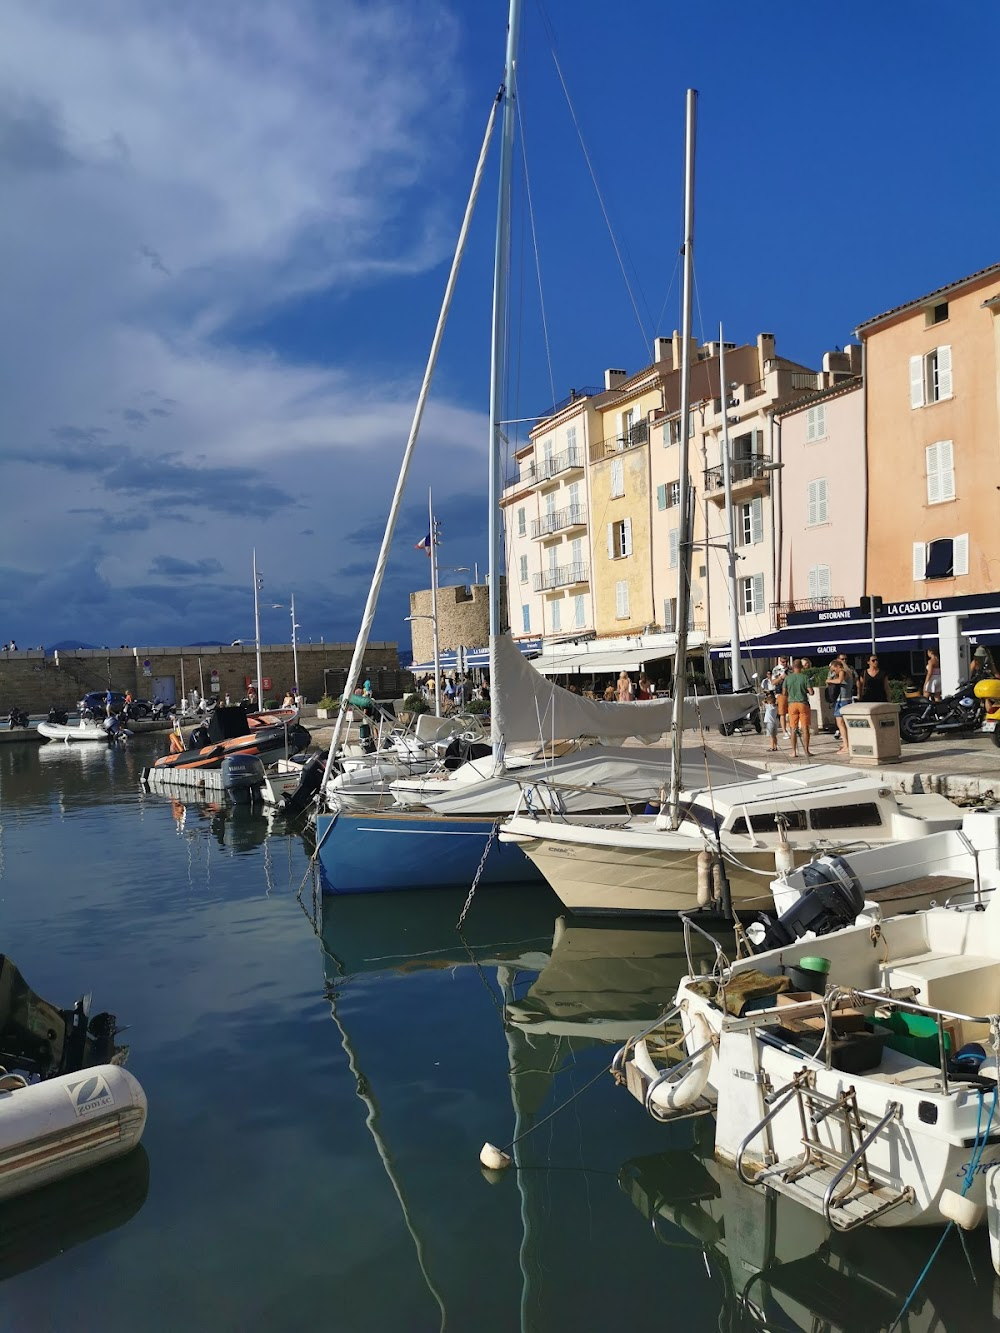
(38, 1226)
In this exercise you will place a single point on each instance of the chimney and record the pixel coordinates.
(765, 351)
(663, 351)
(612, 378)
(676, 343)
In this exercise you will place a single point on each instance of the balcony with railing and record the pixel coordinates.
(572, 516)
(635, 436)
(750, 477)
(551, 465)
(560, 576)
(780, 611)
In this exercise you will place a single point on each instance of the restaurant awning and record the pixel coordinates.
(608, 661)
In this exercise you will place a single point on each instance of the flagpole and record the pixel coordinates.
(434, 605)
(256, 632)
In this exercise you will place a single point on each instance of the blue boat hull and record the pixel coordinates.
(384, 851)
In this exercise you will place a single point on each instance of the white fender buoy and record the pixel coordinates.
(704, 878)
(494, 1158)
(960, 1209)
(678, 1094)
(784, 857)
(993, 1212)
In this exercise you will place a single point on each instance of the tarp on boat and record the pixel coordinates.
(530, 707)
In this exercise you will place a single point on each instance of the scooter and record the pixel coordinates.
(964, 710)
(749, 721)
(17, 717)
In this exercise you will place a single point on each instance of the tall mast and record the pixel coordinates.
(434, 602)
(256, 630)
(727, 482)
(684, 534)
(501, 263)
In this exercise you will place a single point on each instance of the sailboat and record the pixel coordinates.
(647, 865)
(446, 839)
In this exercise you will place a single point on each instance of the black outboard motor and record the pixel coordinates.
(832, 899)
(294, 802)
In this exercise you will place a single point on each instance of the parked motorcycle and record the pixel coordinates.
(749, 721)
(919, 719)
(17, 717)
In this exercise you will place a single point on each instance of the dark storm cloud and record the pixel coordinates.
(173, 568)
(31, 138)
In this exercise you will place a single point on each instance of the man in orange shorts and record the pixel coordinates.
(797, 691)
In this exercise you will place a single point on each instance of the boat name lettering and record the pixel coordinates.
(913, 608)
(89, 1095)
(978, 1170)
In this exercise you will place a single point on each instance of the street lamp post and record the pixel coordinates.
(295, 650)
(437, 660)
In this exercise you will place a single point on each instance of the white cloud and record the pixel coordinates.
(171, 168)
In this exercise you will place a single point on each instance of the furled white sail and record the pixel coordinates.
(530, 708)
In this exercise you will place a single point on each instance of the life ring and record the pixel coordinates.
(677, 1094)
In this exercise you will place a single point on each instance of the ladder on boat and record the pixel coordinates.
(837, 1183)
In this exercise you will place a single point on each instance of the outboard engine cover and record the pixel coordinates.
(832, 899)
(294, 802)
(240, 774)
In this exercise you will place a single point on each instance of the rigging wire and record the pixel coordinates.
(546, 22)
(534, 243)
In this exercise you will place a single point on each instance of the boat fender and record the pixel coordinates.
(494, 1158)
(993, 1212)
(685, 1091)
(784, 857)
(960, 1209)
(704, 878)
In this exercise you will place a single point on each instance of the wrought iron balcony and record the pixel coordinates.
(560, 576)
(750, 478)
(572, 516)
(552, 464)
(616, 444)
(780, 611)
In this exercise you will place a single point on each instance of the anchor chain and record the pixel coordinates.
(479, 874)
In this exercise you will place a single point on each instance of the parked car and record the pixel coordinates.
(95, 702)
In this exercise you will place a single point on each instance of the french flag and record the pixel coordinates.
(424, 544)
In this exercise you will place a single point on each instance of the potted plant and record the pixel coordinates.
(326, 707)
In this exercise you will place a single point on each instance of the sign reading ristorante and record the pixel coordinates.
(929, 606)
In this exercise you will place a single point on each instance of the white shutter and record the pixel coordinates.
(916, 381)
(944, 372)
(933, 474)
(611, 541)
(960, 555)
(621, 599)
(757, 519)
(758, 592)
(919, 561)
(823, 580)
(557, 614)
(627, 537)
(617, 478)
(946, 469)
(811, 506)
(621, 429)
(811, 590)
(674, 547)
(661, 496)
(576, 548)
(579, 612)
(668, 614)
(821, 506)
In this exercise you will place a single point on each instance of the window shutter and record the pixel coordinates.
(526, 618)
(916, 381)
(579, 612)
(946, 455)
(820, 411)
(524, 569)
(813, 582)
(758, 592)
(933, 474)
(810, 425)
(944, 372)
(617, 478)
(611, 541)
(811, 519)
(668, 614)
(960, 555)
(661, 496)
(823, 580)
(557, 614)
(919, 561)
(621, 430)
(627, 537)
(758, 443)
(757, 519)
(821, 506)
(674, 546)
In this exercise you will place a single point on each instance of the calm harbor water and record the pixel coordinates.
(318, 1099)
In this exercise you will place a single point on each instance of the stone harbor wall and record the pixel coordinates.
(35, 680)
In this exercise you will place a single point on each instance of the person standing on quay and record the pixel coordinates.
(797, 691)
(873, 684)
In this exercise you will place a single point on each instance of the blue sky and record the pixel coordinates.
(227, 227)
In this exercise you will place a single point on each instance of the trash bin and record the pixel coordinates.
(872, 734)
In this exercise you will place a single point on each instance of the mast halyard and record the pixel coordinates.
(685, 531)
(500, 268)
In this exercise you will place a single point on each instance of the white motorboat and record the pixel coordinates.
(640, 866)
(78, 731)
(874, 1102)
